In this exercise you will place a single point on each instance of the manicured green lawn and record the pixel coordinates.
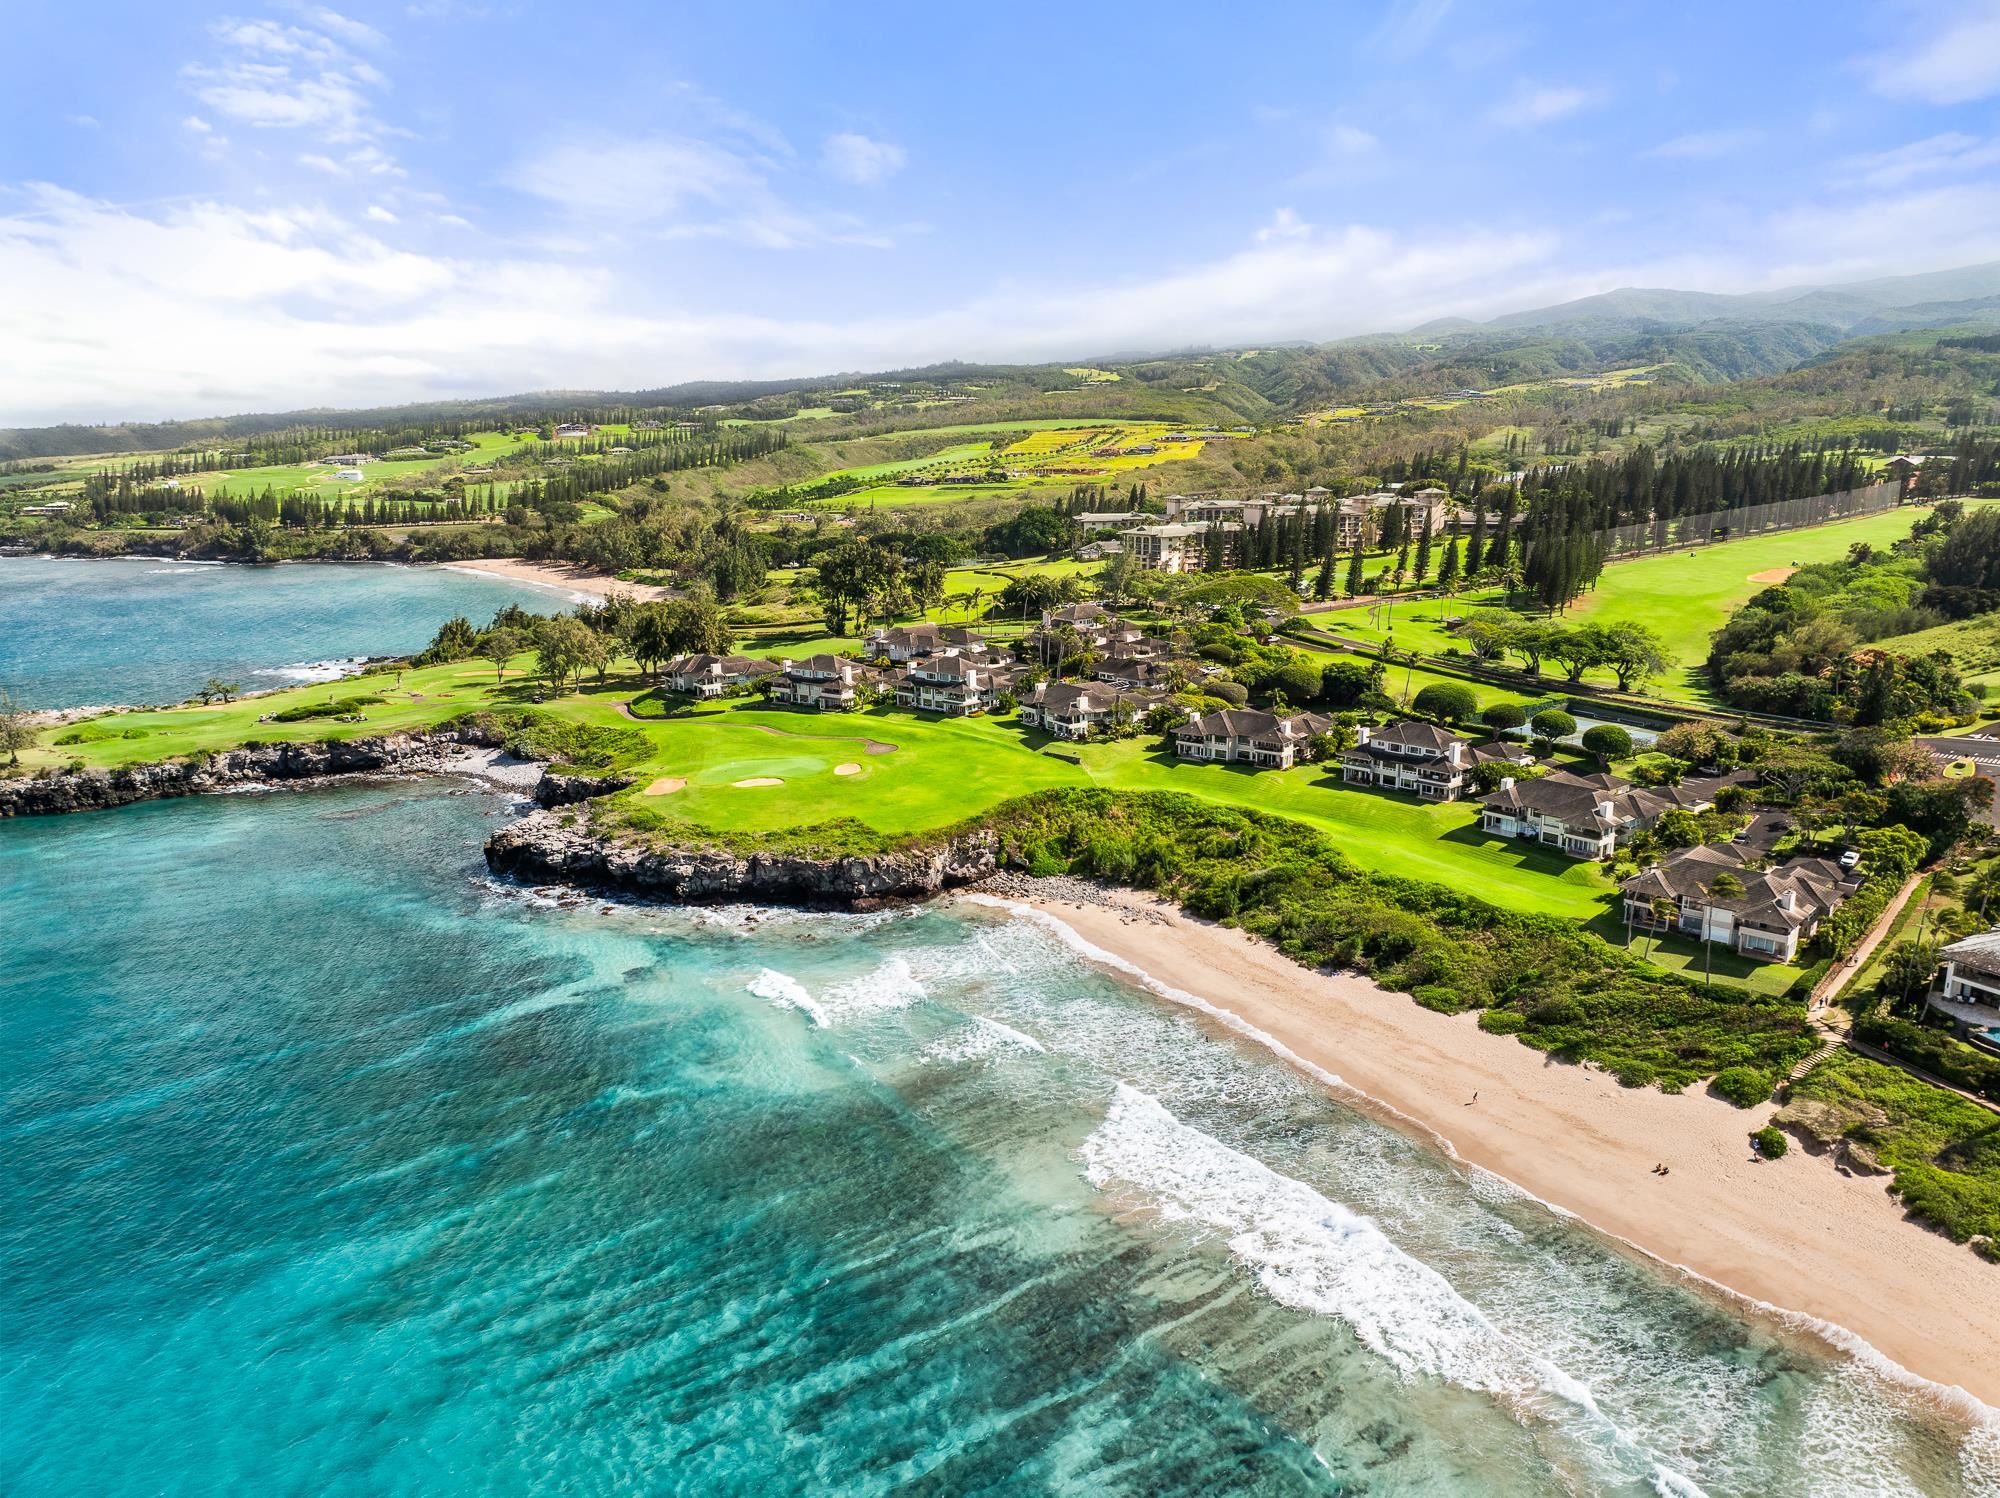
(1687, 596)
(1679, 954)
(940, 771)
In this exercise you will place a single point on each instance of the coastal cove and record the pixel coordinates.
(993, 1205)
(1566, 1135)
(150, 629)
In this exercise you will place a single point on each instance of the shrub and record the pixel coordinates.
(1553, 723)
(1742, 1086)
(1447, 700)
(1503, 717)
(1232, 692)
(338, 708)
(1608, 741)
(1771, 1142)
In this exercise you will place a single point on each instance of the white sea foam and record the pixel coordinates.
(890, 986)
(316, 671)
(786, 992)
(1314, 1255)
(981, 1039)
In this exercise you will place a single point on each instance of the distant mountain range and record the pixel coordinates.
(1701, 336)
(1855, 309)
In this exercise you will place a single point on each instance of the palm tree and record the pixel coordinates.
(1724, 886)
(1666, 910)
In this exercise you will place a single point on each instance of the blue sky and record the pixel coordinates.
(210, 208)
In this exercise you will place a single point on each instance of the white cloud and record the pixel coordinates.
(1351, 140)
(1531, 104)
(1936, 156)
(355, 33)
(197, 125)
(1408, 25)
(634, 181)
(1285, 224)
(1706, 145)
(381, 215)
(272, 76)
(1955, 58)
(298, 306)
(83, 121)
(364, 161)
(679, 187)
(860, 160)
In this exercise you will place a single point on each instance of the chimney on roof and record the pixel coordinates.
(1362, 734)
(1506, 782)
(1454, 753)
(1606, 810)
(1788, 900)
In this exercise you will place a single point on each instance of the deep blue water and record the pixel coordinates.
(141, 630)
(332, 1168)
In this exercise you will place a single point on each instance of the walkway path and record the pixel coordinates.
(1841, 973)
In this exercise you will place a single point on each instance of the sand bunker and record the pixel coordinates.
(756, 780)
(847, 769)
(1772, 575)
(666, 785)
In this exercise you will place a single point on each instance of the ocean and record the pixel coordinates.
(334, 1167)
(143, 630)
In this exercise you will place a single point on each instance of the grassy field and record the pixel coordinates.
(1687, 595)
(941, 770)
(1684, 595)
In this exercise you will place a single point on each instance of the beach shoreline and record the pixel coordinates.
(1823, 1254)
(568, 577)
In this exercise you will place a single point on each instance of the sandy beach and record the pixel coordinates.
(1794, 1234)
(563, 575)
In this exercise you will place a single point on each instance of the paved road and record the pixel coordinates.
(1983, 749)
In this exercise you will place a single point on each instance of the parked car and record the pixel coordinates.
(1849, 859)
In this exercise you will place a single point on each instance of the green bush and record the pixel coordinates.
(96, 733)
(1744, 1086)
(1771, 1142)
(1608, 741)
(1448, 700)
(1936, 1051)
(1552, 723)
(337, 708)
(1503, 717)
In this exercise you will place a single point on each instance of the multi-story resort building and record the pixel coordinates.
(1248, 736)
(1584, 816)
(1432, 762)
(1075, 710)
(1179, 546)
(961, 685)
(1968, 989)
(825, 683)
(1766, 914)
(708, 676)
(909, 642)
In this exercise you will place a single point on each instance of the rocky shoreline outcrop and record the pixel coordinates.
(265, 764)
(552, 847)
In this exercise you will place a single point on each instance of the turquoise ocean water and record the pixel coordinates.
(334, 1168)
(139, 630)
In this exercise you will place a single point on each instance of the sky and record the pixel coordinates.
(208, 209)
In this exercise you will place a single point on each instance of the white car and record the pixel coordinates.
(1849, 859)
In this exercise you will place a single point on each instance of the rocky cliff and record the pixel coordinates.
(548, 847)
(94, 790)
